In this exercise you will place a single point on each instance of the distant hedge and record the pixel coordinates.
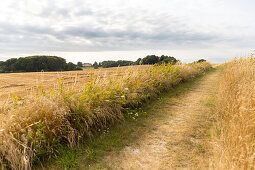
(107, 64)
(149, 59)
(37, 63)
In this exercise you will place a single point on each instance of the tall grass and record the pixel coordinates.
(32, 129)
(234, 138)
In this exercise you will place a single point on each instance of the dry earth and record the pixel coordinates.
(180, 139)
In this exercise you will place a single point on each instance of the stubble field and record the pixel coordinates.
(26, 84)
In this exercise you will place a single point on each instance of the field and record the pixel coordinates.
(60, 109)
(45, 114)
(234, 132)
(25, 84)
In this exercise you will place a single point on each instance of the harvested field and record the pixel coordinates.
(24, 84)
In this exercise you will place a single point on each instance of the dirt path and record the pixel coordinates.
(177, 140)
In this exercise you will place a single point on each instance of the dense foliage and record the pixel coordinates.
(153, 59)
(107, 64)
(95, 65)
(149, 59)
(201, 60)
(79, 64)
(36, 63)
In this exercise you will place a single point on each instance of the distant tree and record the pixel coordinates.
(36, 63)
(124, 63)
(79, 64)
(150, 59)
(1, 66)
(70, 66)
(167, 59)
(138, 61)
(95, 65)
(107, 64)
(201, 60)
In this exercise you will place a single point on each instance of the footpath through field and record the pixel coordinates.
(177, 136)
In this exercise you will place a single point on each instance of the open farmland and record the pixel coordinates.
(32, 128)
(24, 84)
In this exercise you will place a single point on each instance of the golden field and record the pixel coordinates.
(234, 133)
(24, 84)
(63, 108)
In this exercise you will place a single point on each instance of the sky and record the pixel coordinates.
(89, 30)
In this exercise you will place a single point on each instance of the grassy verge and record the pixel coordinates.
(234, 133)
(36, 129)
(90, 153)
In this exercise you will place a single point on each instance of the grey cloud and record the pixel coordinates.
(105, 30)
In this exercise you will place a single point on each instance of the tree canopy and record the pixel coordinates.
(36, 63)
(107, 64)
(201, 60)
(153, 59)
(54, 63)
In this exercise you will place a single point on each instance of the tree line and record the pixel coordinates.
(149, 59)
(54, 63)
(36, 63)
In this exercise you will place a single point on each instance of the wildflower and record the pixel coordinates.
(39, 86)
(82, 97)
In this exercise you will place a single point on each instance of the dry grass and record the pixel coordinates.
(234, 138)
(31, 129)
(23, 84)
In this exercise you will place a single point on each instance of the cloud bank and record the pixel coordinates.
(220, 27)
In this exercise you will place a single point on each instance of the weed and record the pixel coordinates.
(66, 157)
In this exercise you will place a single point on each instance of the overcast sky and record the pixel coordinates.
(97, 30)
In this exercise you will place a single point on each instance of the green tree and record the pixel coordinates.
(79, 64)
(150, 59)
(70, 66)
(36, 63)
(167, 59)
(201, 60)
(138, 61)
(95, 65)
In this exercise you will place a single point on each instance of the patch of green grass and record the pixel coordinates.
(67, 157)
(210, 102)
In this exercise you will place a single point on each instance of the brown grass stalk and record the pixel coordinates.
(234, 134)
